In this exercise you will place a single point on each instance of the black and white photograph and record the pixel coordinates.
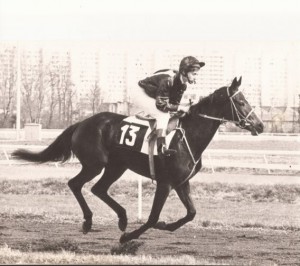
(150, 132)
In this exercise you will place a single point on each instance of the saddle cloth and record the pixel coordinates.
(133, 135)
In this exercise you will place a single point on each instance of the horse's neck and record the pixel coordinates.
(200, 132)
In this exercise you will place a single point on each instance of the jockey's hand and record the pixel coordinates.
(184, 108)
(180, 114)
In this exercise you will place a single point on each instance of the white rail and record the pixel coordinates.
(210, 162)
(208, 154)
(269, 152)
(237, 163)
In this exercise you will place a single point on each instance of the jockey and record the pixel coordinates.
(167, 88)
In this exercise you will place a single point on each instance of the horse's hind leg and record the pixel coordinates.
(112, 173)
(86, 174)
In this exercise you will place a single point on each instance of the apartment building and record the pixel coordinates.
(270, 71)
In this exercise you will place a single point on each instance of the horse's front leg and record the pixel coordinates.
(161, 195)
(184, 194)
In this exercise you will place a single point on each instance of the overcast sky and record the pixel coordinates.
(155, 20)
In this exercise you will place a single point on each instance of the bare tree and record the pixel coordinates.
(33, 95)
(59, 95)
(70, 105)
(7, 84)
(40, 95)
(65, 97)
(7, 96)
(52, 80)
(33, 88)
(94, 97)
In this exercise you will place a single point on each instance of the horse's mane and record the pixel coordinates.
(208, 100)
(202, 103)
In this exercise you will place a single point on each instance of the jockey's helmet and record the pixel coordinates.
(188, 63)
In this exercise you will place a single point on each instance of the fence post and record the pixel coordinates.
(140, 200)
(210, 162)
(6, 156)
(267, 163)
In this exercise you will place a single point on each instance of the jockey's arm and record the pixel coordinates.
(162, 97)
(162, 104)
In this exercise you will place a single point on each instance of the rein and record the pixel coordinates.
(242, 120)
(191, 154)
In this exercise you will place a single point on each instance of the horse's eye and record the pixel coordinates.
(241, 103)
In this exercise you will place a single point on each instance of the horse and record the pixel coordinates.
(94, 141)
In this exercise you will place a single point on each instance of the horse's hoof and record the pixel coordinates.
(122, 224)
(160, 226)
(124, 238)
(86, 226)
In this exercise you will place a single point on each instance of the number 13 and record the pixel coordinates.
(132, 133)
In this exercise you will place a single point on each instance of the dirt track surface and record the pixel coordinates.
(230, 246)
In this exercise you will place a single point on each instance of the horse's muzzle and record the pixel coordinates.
(257, 128)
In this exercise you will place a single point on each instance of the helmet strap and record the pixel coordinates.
(183, 76)
(186, 76)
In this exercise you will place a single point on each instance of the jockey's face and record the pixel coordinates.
(191, 76)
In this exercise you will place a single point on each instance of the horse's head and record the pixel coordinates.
(235, 108)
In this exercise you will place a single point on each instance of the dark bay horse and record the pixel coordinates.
(94, 142)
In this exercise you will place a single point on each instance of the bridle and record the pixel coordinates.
(242, 122)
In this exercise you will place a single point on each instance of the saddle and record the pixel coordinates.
(173, 121)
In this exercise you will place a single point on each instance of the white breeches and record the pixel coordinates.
(142, 102)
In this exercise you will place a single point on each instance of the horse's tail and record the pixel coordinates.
(59, 150)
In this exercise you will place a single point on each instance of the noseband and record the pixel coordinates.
(242, 122)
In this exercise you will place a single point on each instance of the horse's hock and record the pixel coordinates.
(32, 131)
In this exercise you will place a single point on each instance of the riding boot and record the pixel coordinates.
(162, 149)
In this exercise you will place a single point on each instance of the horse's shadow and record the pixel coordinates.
(127, 248)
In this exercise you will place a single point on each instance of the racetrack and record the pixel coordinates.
(228, 246)
(260, 225)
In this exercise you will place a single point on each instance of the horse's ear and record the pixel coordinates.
(234, 82)
(240, 81)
